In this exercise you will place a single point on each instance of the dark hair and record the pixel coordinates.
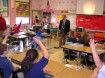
(102, 57)
(72, 34)
(27, 62)
(38, 28)
(36, 17)
(15, 24)
(3, 47)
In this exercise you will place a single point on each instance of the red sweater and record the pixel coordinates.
(2, 24)
(16, 30)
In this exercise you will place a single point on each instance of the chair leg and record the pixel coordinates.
(76, 62)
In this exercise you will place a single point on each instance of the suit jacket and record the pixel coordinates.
(66, 26)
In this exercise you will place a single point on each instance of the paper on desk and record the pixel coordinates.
(73, 66)
(100, 50)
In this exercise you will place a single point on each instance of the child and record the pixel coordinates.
(72, 37)
(16, 28)
(84, 39)
(99, 60)
(30, 67)
(5, 65)
(39, 36)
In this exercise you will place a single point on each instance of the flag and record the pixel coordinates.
(48, 4)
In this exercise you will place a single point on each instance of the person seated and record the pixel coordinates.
(26, 28)
(39, 36)
(16, 28)
(5, 64)
(30, 65)
(99, 60)
(71, 37)
(84, 39)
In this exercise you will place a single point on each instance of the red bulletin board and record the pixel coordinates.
(91, 22)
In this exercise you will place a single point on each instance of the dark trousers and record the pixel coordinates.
(62, 38)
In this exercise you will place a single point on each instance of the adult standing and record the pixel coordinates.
(3, 26)
(64, 28)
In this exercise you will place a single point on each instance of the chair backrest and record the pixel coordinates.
(1, 74)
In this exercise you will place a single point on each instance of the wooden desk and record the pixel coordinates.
(58, 70)
(84, 49)
(72, 73)
(20, 38)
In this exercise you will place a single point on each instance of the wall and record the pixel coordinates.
(56, 5)
(99, 5)
(35, 5)
(72, 18)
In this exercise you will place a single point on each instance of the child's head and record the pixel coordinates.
(102, 57)
(3, 49)
(39, 28)
(30, 58)
(72, 35)
(15, 25)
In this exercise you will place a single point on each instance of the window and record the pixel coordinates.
(25, 20)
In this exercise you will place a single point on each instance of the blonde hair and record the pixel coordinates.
(72, 35)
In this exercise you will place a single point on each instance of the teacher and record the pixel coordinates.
(64, 28)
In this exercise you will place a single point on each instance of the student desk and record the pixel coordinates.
(58, 70)
(84, 49)
(20, 38)
(72, 73)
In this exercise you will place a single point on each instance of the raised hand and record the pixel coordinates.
(37, 40)
(92, 43)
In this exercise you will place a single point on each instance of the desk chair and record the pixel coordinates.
(71, 55)
(85, 59)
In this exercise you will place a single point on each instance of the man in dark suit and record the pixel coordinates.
(64, 28)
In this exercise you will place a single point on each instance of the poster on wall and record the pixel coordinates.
(4, 7)
(22, 9)
(36, 17)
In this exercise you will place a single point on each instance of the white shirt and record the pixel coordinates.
(102, 72)
(64, 21)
